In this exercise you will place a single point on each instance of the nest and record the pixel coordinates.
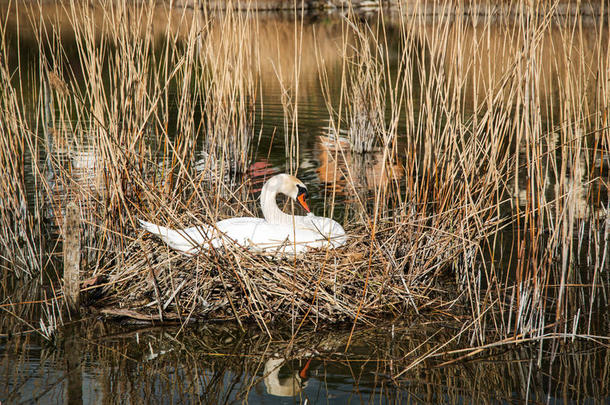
(369, 278)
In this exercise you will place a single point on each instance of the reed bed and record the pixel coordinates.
(19, 244)
(160, 125)
(400, 273)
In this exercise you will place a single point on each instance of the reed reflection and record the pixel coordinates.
(222, 363)
(288, 386)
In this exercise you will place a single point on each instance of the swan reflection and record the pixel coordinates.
(288, 386)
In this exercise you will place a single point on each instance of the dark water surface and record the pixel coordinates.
(96, 361)
(105, 363)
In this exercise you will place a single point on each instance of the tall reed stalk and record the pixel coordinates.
(229, 90)
(19, 221)
(366, 93)
(484, 145)
(460, 118)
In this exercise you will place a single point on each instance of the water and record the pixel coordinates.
(422, 359)
(222, 364)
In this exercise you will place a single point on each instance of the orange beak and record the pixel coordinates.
(303, 372)
(301, 200)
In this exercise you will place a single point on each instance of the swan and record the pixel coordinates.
(283, 387)
(277, 232)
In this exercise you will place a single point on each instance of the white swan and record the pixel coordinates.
(277, 232)
(283, 387)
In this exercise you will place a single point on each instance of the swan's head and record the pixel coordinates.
(290, 186)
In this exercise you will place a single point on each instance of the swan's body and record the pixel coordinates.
(281, 387)
(277, 232)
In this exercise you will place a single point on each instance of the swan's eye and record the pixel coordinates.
(302, 190)
(301, 196)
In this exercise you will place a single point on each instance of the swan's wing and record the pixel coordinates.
(255, 233)
(259, 235)
(184, 240)
(325, 229)
(238, 222)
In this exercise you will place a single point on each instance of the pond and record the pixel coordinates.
(464, 150)
(222, 364)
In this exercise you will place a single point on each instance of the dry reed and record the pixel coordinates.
(463, 115)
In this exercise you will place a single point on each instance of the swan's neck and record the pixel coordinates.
(286, 387)
(272, 213)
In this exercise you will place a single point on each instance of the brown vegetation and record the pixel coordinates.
(467, 129)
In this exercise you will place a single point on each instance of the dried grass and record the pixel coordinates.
(396, 274)
(477, 142)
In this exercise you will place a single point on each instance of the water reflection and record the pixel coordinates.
(221, 363)
(289, 386)
(344, 171)
(580, 188)
(77, 157)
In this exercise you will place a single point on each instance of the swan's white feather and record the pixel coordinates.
(277, 233)
(188, 240)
